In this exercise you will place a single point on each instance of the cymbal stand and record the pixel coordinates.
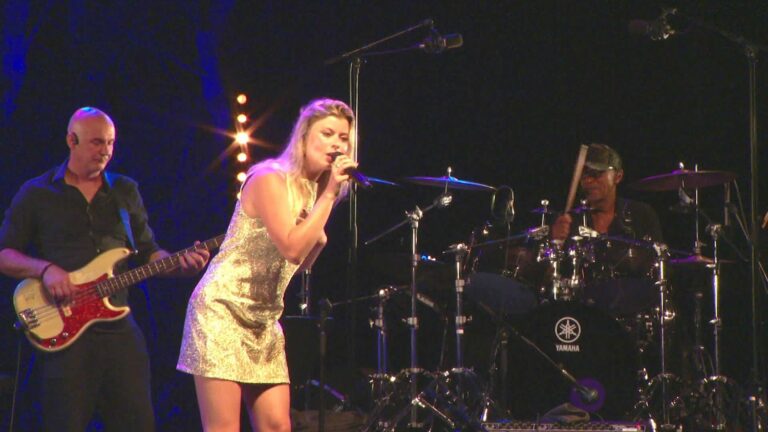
(416, 398)
(697, 243)
(715, 230)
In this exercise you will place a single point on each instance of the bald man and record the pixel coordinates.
(59, 222)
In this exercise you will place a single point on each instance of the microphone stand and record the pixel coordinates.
(355, 57)
(751, 50)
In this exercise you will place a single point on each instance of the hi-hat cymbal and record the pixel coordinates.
(683, 178)
(448, 181)
(696, 260)
(543, 210)
(581, 209)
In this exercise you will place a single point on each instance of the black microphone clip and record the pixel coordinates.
(436, 43)
(656, 30)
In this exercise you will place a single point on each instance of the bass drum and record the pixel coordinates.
(593, 347)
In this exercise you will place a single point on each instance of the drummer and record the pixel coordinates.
(608, 214)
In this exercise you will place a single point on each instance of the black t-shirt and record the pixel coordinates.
(635, 220)
(52, 220)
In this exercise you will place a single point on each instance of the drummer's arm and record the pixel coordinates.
(562, 227)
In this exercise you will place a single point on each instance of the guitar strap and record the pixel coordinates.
(121, 208)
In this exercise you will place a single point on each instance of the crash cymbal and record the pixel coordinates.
(683, 178)
(448, 181)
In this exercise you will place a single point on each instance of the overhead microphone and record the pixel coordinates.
(436, 43)
(657, 29)
(354, 175)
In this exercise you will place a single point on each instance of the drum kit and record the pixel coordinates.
(582, 325)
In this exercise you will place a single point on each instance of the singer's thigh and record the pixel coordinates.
(219, 403)
(269, 406)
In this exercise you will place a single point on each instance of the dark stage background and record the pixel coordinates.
(532, 81)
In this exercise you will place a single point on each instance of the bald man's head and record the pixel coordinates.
(90, 138)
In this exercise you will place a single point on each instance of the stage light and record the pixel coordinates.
(242, 118)
(242, 157)
(242, 138)
(242, 98)
(241, 176)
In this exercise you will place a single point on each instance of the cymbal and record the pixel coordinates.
(683, 178)
(543, 210)
(382, 181)
(696, 260)
(581, 209)
(448, 181)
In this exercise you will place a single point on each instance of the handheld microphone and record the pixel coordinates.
(354, 175)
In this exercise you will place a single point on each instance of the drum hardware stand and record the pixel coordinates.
(572, 287)
(325, 306)
(500, 348)
(664, 378)
(702, 361)
(718, 380)
(382, 349)
(463, 375)
(304, 293)
(416, 399)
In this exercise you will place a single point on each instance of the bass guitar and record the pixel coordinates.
(52, 326)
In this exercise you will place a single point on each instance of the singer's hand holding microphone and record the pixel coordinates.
(343, 165)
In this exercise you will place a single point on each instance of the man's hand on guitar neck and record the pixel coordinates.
(190, 263)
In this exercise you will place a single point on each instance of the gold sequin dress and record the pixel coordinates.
(231, 330)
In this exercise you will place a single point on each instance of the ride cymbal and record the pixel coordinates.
(683, 178)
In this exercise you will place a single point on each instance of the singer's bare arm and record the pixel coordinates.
(265, 195)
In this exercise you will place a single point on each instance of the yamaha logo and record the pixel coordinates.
(567, 329)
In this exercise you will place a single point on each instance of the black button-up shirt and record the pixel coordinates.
(52, 220)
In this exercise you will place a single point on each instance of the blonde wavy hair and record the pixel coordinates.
(292, 159)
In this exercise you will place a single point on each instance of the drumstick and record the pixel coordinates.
(576, 177)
